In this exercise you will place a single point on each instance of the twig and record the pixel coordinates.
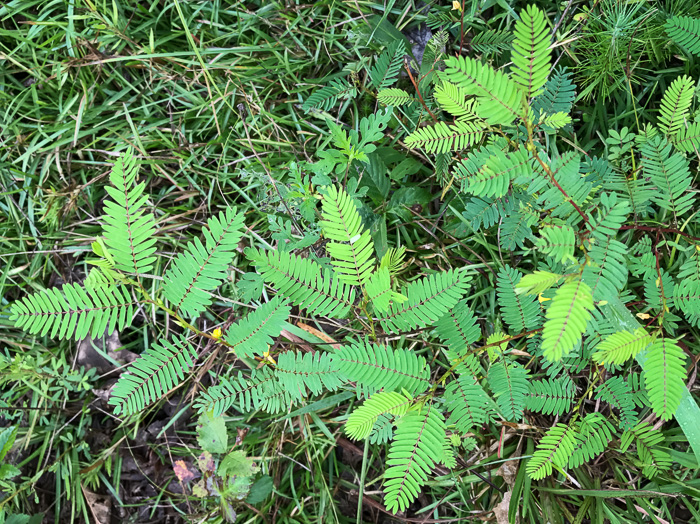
(420, 97)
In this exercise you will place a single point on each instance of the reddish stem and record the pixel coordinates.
(420, 97)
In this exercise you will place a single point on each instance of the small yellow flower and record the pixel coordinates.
(542, 299)
(456, 6)
(644, 316)
(266, 356)
(216, 334)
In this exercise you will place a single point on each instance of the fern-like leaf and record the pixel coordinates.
(665, 376)
(616, 392)
(202, 267)
(491, 41)
(675, 105)
(254, 334)
(429, 298)
(554, 449)
(558, 95)
(531, 55)
(688, 138)
(485, 212)
(468, 403)
(508, 381)
(327, 96)
(520, 312)
(489, 172)
(373, 367)
(74, 311)
(362, 419)
(592, 439)
(499, 101)
(567, 318)
(558, 241)
(671, 176)
(537, 282)
(304, 282)
(417, 446)
(378, 288)
(244, 393)
(685, 31)
(443, 138)
(622, 346)
(386, 70)
(458, 327)
(394, 97)
(686, 296)
(551, 397)
(454, 100)
(298, 371)
(607, 273)
(129, 231)
(162, 367)
(351, 247)
(647, 440)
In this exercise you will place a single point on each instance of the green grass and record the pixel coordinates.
(209, 94)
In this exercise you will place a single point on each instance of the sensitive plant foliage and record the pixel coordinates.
(570, 217)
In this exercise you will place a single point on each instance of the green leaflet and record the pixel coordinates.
(129, 231)
(75, 311)
(593, 437)
(499, 101)
(468, 403)
(443, 138)
(454, 100)
(351, 247)
(428, 299)
(203, 267)
(558, 95)
(417, 447)
(617, 392)
(379, 291)
(362, 419)
(567, 317)
(687, 413)
(685, 31)
(373, 367)
(508, 381)
(327, 96)
(253, 334)
(675, 105)
(537, 282)
(554, 449)
(488, 172)
(162, 367)
(386, 70)
(531, 55)
(304, 282)
(297, 371)
(554, 396)
(520, 312)
(394, 97)
(647, 439)
(665, 380)
(246, 393)
(670, 174)
(558, 241)
(620, 347)
(688, 138)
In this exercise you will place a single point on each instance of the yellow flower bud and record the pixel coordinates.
(216, 334)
